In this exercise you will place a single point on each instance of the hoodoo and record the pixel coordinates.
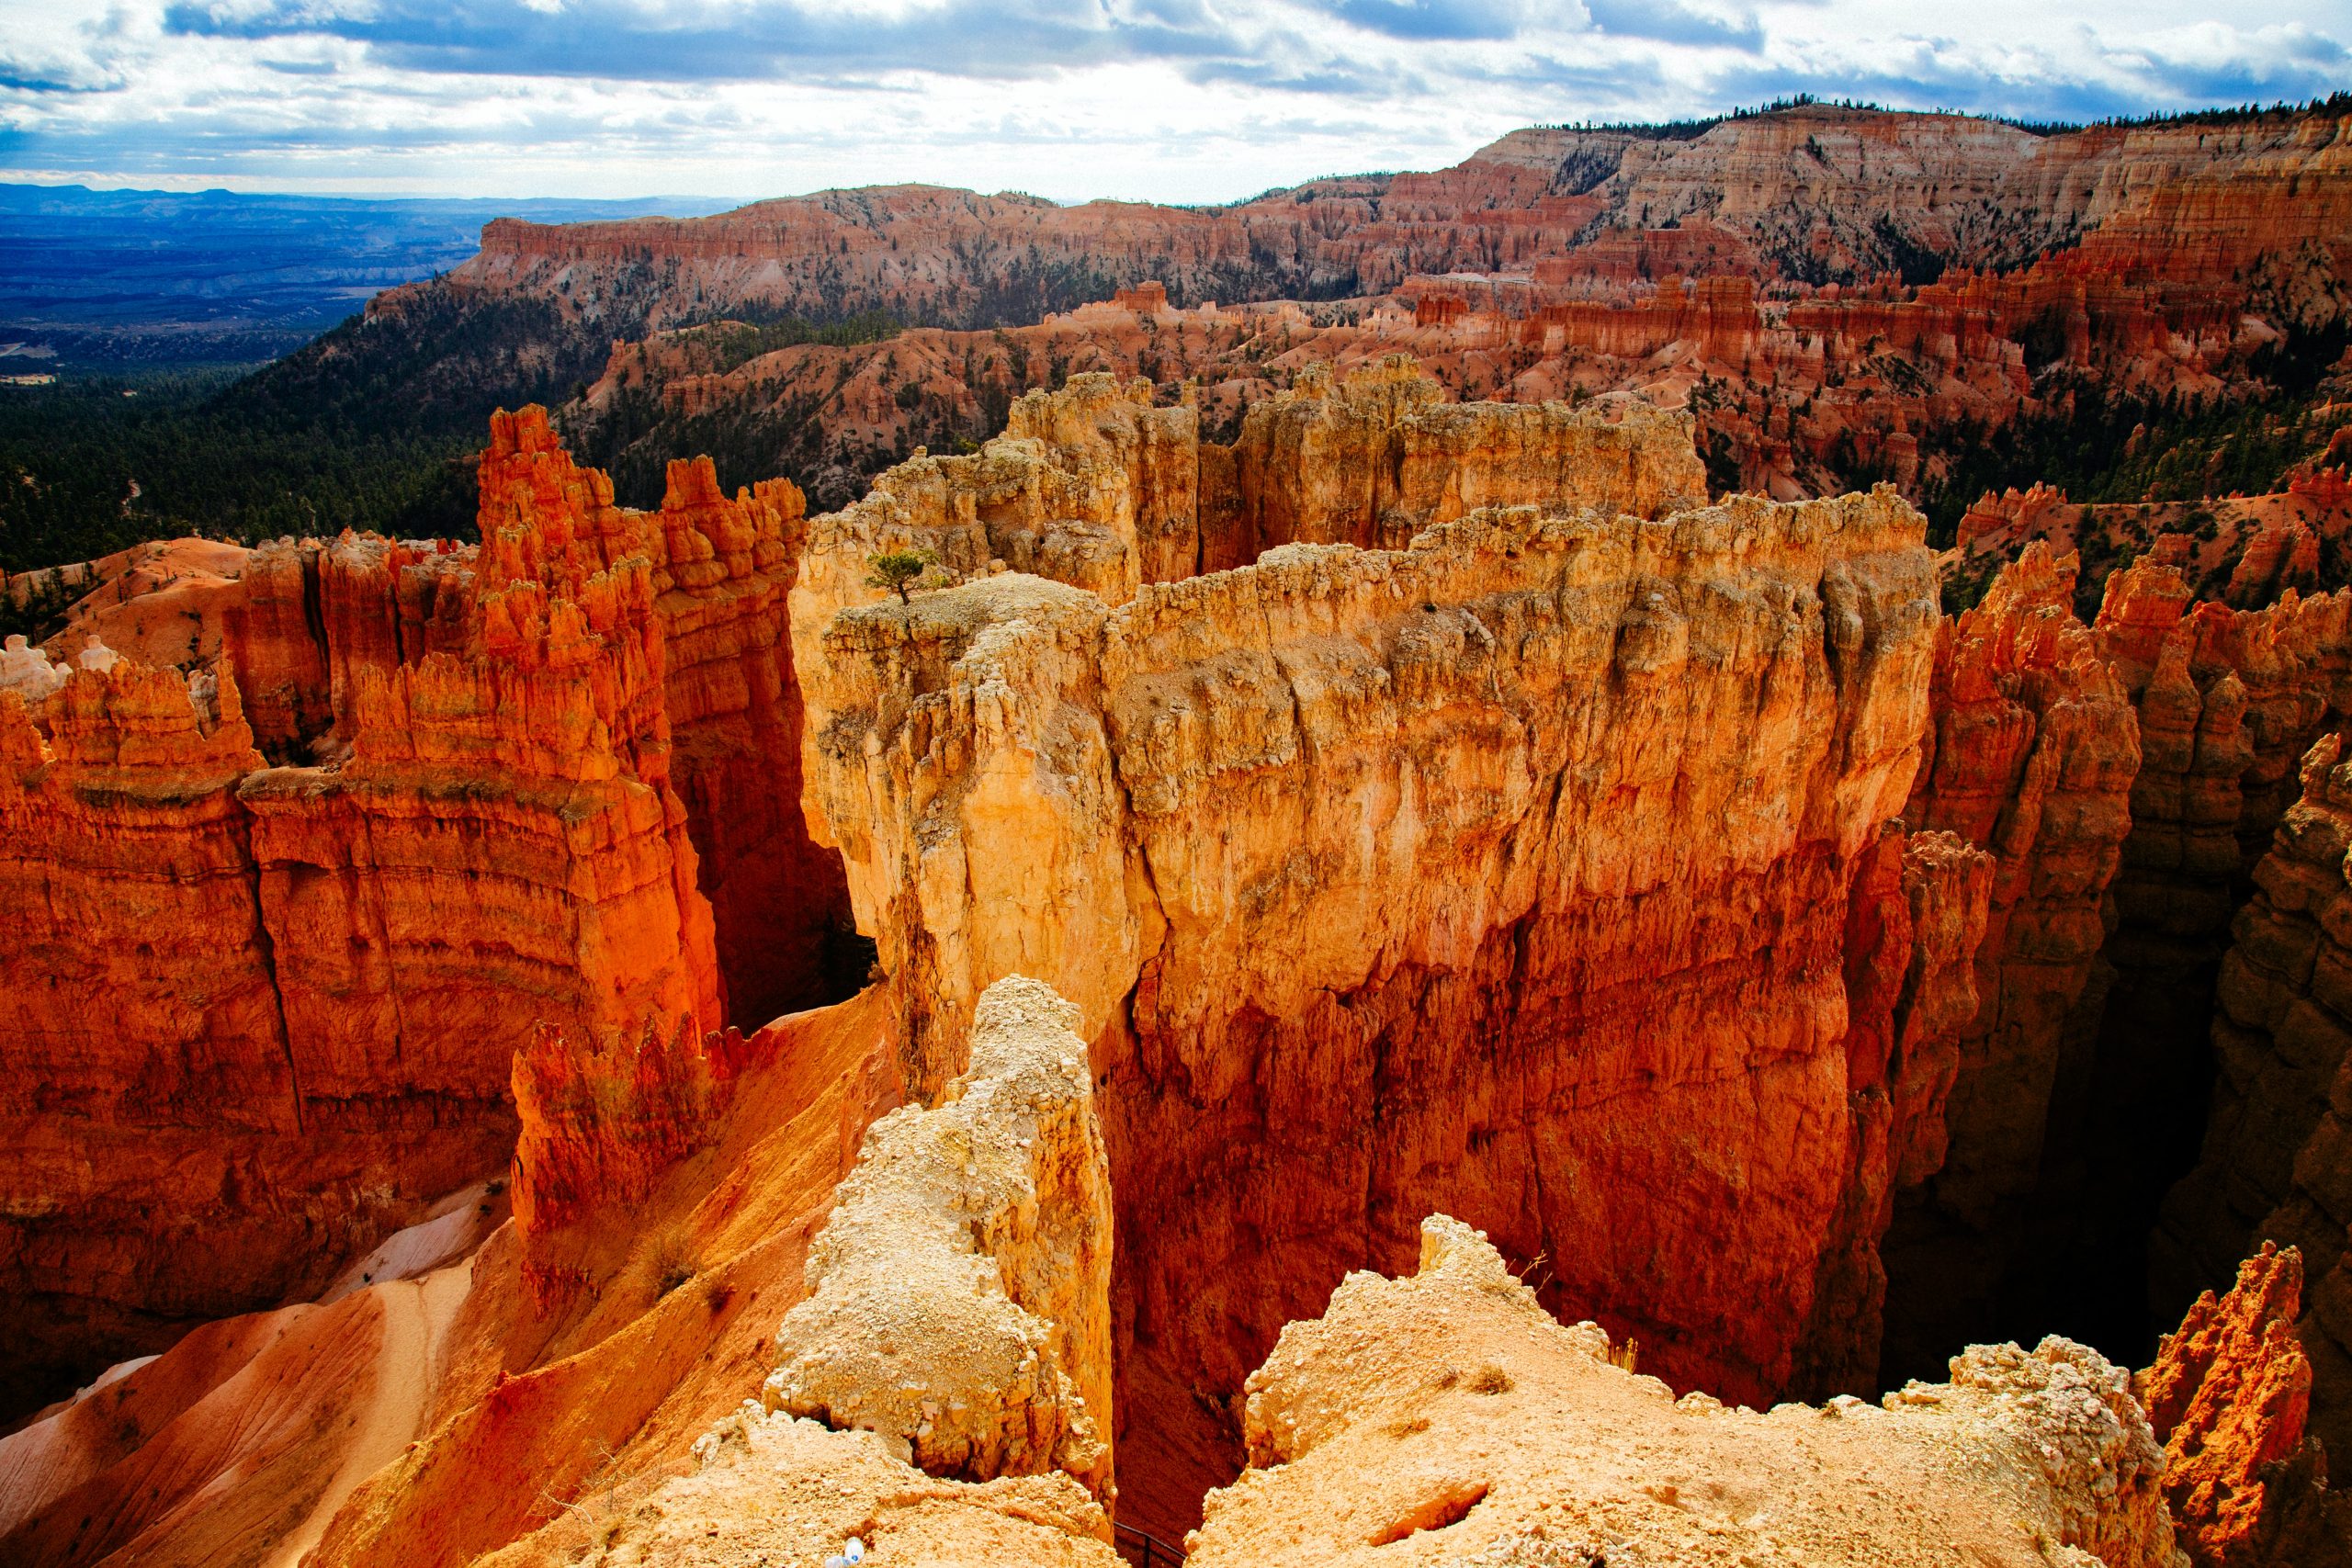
(1274, 957)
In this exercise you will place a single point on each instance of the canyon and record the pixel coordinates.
(1495, 728)
(1384, 957)
(1840, 295)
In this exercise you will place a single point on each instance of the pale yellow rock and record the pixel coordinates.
(958, 1298)
(1445, 1418)
(775, 1489)
(1142, 776)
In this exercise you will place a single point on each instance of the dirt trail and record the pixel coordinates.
(417, 1316)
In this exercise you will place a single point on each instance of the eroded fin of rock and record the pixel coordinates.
(959, 1298)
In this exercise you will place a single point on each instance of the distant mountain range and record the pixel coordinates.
(119, 277)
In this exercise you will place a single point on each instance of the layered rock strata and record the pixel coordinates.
(1099, 486)
(1375, 456)
(2230, 701)
(1916, 921)
(1809, 193)
(1290, 835)
(436, 1406)
(2126, 861)
(720, 569)
(2273, 1165)
(1499, 1435)
(242, 992)
(1663, 886)
(1839, 295)
(2030, 758)
(169, 1155)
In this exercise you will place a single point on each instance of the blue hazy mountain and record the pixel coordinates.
(123, 278)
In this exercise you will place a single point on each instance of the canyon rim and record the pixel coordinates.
(1420, 871)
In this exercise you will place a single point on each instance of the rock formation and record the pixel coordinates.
(1023, 779)
(2272, 1164)
(1376, 457)
(1501, 1436)
(1839, 295)
(1809, 192)
(435, 1405)
(1422, 805)
(1097, 487)
(242, 992)
(2033, 751)
(2229, 702)
(959, 1299)
(2228, 1398)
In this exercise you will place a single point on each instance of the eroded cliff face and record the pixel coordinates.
(2230, 701)
(438, 1404)
(941, 1281)
(719, 569)
(2228, 1398)
(1811, 193)
(1843, 295)
(2273, 1164)
(2129, 775)
(1100, 487)
(2033, 751)
(1577, 786)
(241, 993)
(169, 1156)
(1667, 887)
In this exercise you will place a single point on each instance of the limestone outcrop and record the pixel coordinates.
(1288, 834)
(959, 1298)
(1501, 1434)
(791, 1489)
(2229, 701)
(1668, 887)
(719, 569)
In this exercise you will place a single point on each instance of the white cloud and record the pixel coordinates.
(1186, 100)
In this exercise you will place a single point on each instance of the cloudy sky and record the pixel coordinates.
(1180, 100)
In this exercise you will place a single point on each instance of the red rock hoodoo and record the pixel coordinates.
(274, 1007)
(1309, 825)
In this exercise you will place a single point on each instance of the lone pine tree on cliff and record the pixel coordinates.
(898, 570)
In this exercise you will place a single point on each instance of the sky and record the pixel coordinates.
(1167, 100)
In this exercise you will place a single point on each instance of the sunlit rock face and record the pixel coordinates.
(1498, 1434)
(1391, 879)
(274, 1005)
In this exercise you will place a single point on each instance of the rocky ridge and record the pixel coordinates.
(239, 985)
(1811, 191)
(959, 1299)
(1503, 1436)
(1691, 815)
(1839, 295)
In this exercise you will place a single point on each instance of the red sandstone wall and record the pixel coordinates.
(241, 992)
